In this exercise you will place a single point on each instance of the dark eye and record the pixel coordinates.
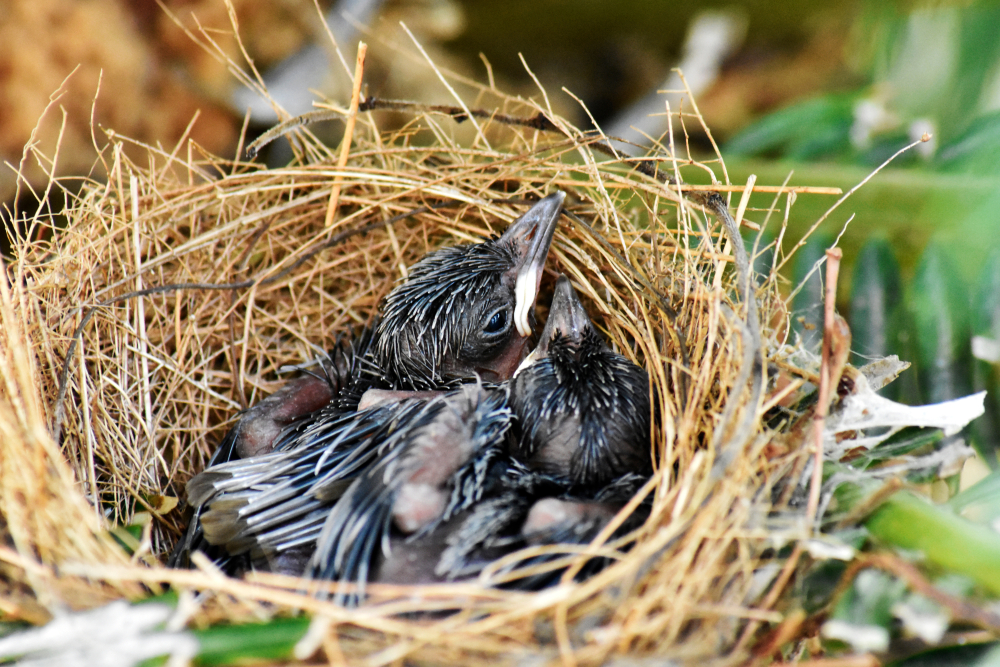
(497, 323)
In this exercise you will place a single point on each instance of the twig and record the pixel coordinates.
(725, 451)
(865, 660)
(869, 504)
(833, 257)
(959, 609)
(345, 144)
(648, 166)
(779, 189)
(787, 630)
(772, 596)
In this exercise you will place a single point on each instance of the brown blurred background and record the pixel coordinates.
(146, 71)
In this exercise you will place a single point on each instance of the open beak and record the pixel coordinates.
(533, 233)
(567, 317)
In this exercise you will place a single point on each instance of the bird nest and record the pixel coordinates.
(139, 321)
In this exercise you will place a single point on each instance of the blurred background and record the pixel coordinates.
(822, 92)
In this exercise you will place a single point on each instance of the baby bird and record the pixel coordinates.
(267, 512)
(253, 438)
(581, 426)
(465, 312)
(524, 508)
(260, 425)
(583, 409)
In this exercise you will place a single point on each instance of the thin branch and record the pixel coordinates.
(826, 379)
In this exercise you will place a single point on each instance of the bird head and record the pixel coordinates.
(466, 310)
(583, 409)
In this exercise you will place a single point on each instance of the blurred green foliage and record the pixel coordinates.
(927, 68)
(921, 273)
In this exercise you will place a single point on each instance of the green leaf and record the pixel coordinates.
(981, 501)
(228, 644)
(863, 615)
(946, 540)
(965, 655)
(869, 600)
(986, 369)
(907, 441)
(976, 151)
(806, 130)
(939, 308)
(10, 627)
(808, 303)
(876, 297)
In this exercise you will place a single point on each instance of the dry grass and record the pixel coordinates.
(249, 279)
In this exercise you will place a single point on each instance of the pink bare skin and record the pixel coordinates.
(551, 514)
(260, 425)
(437, 453)
(374, 398)
(503, 367)
(417, 505)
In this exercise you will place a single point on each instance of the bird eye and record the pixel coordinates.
(497, 323)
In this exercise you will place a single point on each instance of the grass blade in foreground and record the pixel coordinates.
(947, 540)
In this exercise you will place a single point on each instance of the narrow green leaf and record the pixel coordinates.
(228, 644)
(946, 540)
(986, 368)
(965, 655)
(876, 295)
(981, 501)
(976, 151)
(939, 308)
(877, 316)
(978, 54)
(809, 129)
(907, 441)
